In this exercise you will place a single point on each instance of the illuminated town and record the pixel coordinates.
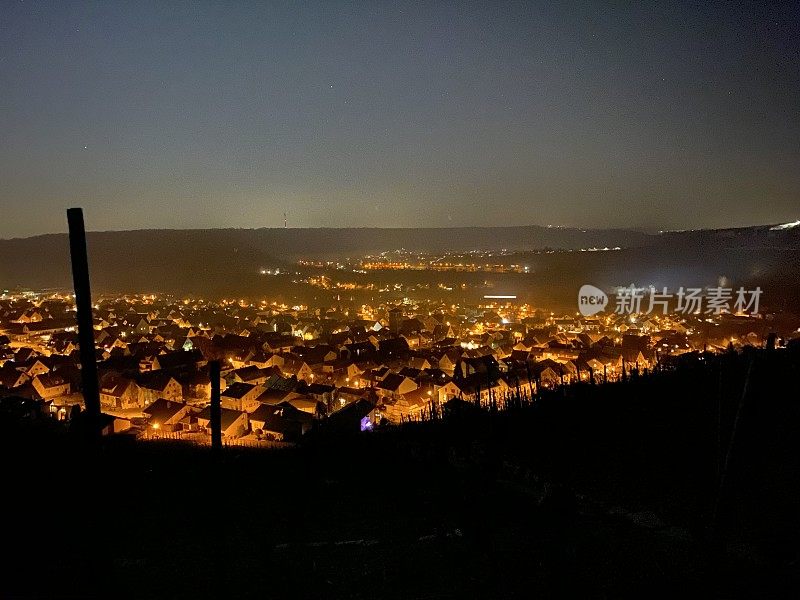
(287, 368)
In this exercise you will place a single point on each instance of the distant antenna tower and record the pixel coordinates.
(284, 220)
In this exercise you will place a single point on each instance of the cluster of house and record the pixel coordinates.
(285, 367)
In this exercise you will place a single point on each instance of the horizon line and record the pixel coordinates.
(642, 230)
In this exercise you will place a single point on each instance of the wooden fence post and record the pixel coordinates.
(216, 407)
(83, 305)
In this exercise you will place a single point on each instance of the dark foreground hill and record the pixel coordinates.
(611, 491)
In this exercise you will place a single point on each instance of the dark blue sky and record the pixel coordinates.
(168, 114)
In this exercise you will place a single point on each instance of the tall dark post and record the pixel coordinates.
(83, 303)
(216, 408)
(530, 381)
(771, 338)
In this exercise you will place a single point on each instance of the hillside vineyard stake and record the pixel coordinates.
(83, 304)
(216, 408)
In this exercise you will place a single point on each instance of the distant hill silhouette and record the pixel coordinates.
(227, 261)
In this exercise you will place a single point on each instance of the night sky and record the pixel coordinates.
(186, 115)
